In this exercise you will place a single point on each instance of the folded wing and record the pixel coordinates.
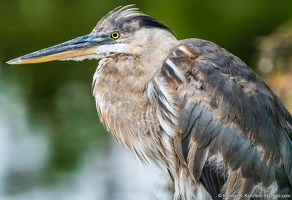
(230, 130)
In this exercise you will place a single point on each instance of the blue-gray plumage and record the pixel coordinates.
(232, 113)
(189, 106)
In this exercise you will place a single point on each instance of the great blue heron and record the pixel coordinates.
(189, 106)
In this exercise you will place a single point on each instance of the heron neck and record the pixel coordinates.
(120, 96)
(119, 87)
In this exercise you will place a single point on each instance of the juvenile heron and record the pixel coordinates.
(191, 107)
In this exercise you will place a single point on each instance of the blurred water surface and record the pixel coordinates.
(52, 145)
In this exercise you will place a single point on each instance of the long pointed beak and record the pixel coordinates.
(84, 46)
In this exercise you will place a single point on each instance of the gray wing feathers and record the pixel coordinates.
(225, 111)
(286, 149)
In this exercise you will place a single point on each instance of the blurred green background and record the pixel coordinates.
(52, 145)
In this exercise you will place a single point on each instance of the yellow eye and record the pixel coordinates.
(115, 35)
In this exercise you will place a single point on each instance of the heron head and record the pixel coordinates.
(122, 31)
